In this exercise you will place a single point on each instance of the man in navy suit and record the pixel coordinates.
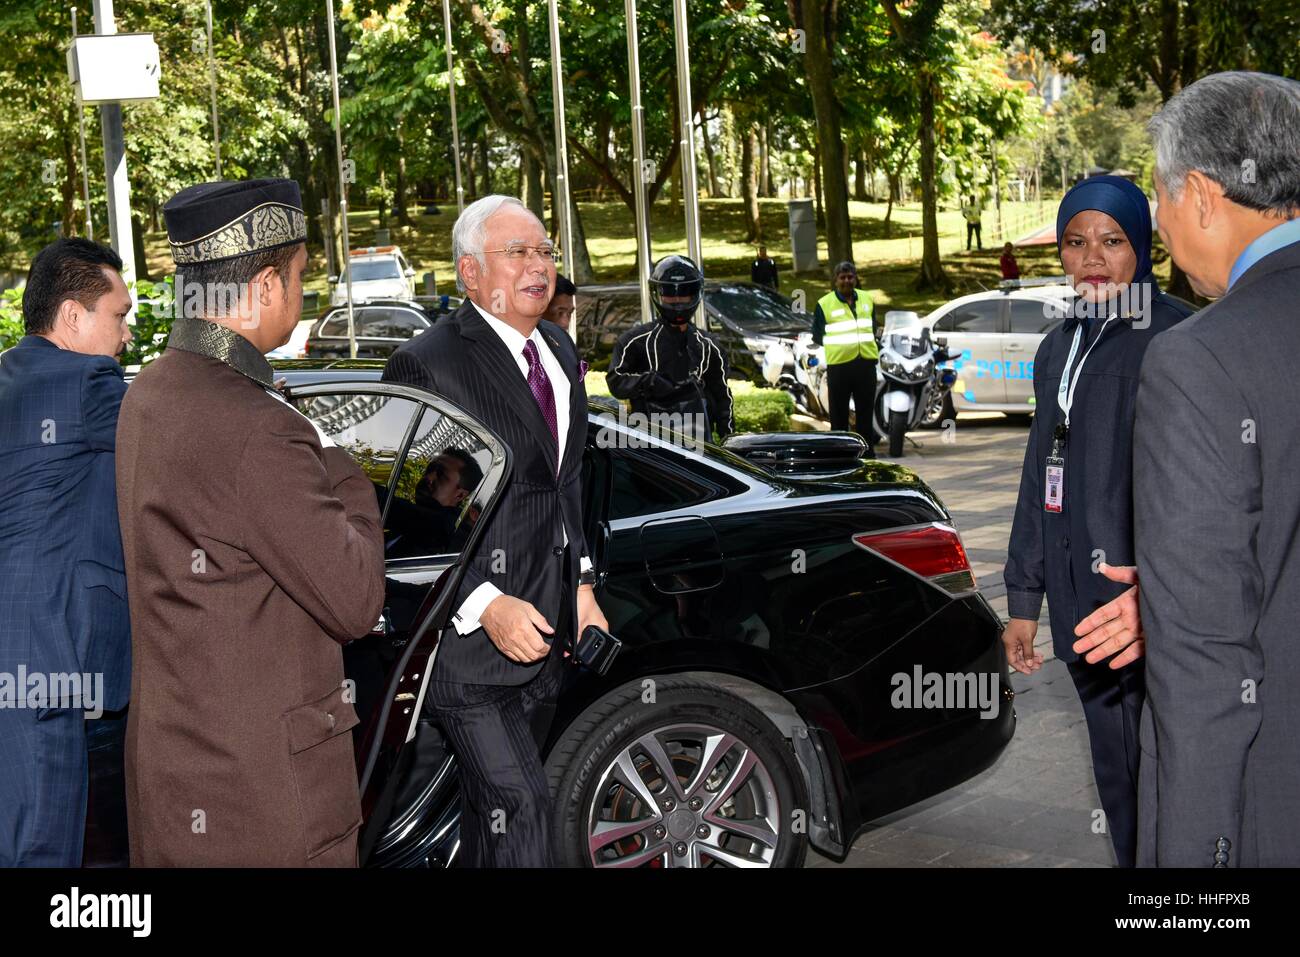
(65, 641)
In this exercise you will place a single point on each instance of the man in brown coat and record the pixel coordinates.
(253, 548)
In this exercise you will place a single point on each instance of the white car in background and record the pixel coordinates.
(995, 335)
(378, 272)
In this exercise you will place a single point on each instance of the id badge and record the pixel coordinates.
(1054, 490)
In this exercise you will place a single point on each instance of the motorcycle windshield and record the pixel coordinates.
(907, 336)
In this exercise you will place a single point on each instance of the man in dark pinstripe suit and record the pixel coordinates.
(498, 667)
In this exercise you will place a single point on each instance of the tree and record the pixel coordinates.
(818, 19)
(916, 37)
(1125, 45)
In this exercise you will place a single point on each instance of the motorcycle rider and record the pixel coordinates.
(668, 365)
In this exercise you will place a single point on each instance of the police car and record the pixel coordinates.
(995, 335)
(378, 272)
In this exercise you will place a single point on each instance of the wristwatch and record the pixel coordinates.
(588, 577)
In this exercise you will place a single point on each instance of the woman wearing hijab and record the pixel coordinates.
(1072, 537)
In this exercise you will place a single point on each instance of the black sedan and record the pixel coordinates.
(746, 319)
(770, 619)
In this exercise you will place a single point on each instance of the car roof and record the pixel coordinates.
(633, 288)
(377, 304)
(385, 252)
(1061, 293)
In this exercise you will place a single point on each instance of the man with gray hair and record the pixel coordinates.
(528, 587)
(1216, 455)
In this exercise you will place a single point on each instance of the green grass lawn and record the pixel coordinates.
(887, 266)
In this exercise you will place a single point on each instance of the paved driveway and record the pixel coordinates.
(1037, 806)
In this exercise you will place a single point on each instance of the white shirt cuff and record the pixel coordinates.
(584, 564)
(466, 618)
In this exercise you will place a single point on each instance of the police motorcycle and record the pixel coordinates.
(798, 366)
(912, 387)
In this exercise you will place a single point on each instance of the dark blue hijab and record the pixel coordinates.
(1123, 202)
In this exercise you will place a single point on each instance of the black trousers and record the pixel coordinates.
(497, 733)
(1112, 705)
(973, 228)
(855, 379)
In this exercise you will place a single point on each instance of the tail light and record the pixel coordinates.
(933, 552)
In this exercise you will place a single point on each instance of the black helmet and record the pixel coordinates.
(676, 278)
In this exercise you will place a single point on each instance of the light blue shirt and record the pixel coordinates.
(1270, 242)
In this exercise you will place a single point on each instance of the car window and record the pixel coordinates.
(978, 316)
(755, 312)
(435, 500)
(394, 323)
(372, 269)
(1034, 316)
(371, 428)
(619, 315)
(645, 483)
(381, 323)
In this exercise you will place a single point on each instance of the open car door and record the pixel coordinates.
(437, 474)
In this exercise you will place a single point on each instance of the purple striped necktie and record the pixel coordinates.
(540, 383)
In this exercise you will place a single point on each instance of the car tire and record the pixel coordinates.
(588, 766)
(897, 429)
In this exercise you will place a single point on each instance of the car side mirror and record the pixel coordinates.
(410, 272)
(332, 280)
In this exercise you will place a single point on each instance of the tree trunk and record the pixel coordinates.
(889, 209)
(817, 184)
(709, 158)
(749, 181)
(137, 245)
(399, 189)
(582, 272)
(532, 176)
(581, 259)
(860, 177)
(487, 169)
(932, 275)
(817, 65)
(765, 166)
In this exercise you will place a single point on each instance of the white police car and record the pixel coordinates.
(995, 335)
(378, 272)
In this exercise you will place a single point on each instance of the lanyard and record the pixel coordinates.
(1065, 393)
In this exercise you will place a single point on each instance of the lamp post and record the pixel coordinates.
(686, 146)
(451, 90)
(640, 173)
(560, 195)
(343, 184)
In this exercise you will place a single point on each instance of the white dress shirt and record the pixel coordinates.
(467, 616)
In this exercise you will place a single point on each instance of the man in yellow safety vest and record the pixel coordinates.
(843, 326)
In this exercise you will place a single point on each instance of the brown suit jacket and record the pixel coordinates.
(251, 553)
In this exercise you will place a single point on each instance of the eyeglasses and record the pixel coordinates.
(521, 251)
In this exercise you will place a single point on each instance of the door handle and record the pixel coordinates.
(1014, 347)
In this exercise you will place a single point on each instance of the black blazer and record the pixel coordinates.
(521, 550)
